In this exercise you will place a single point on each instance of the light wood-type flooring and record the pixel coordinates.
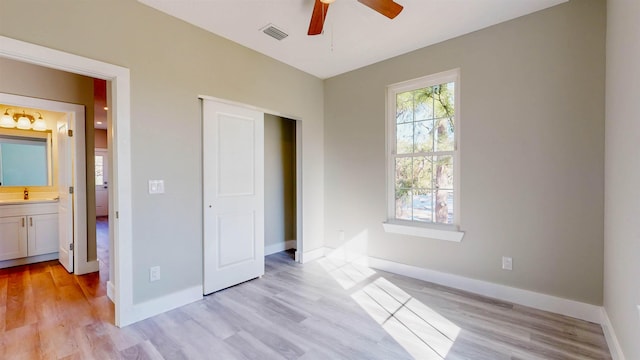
(327, 309)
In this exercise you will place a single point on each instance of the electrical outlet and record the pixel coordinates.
(507, 263)
(154, 273)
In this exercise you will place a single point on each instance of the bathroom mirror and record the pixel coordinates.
(25, 158)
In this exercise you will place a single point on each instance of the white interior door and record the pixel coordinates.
(65, 203)
(233, 194)
(102, 176)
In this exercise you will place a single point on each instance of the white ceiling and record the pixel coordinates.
(354, 35)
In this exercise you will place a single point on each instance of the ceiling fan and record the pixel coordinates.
(388, 8)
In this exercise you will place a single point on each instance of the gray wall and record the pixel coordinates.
(622, 174)
(100, 137)
(279, 179)
(171, 63)
(44, 83)
(532, 153)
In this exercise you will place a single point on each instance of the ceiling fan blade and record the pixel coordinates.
(317, 18)
(388, 8)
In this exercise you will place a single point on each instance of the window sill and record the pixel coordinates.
(439, 232)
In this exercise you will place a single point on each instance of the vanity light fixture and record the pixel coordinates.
(23, 121)
(39, 124)
(7, 121)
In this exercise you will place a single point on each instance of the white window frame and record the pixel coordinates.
(450, 232)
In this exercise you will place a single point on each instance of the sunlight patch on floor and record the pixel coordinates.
(421, 331)
(345, 273)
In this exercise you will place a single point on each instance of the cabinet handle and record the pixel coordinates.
(31, 221)
(22, 222)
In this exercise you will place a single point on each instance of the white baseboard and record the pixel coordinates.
(28, 260)
(312, 255)
(610, 336)
(572, 308)
(575, 309)
(162, 304)
(111, 291)
(282, 246)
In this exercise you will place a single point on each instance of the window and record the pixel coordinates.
(423, 152)
(99, 170)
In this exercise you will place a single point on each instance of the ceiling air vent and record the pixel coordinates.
(274, 32)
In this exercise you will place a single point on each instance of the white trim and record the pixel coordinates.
(86, 267)
(111, 290)
(121, 167)
(423, 231)
(610, 336)
(315, 254)
(165, 303)
(278, 247)
(299, 215)
(532, 299)
(252, 107)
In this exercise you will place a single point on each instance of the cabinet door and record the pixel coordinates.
(13, 237)
(42, 234)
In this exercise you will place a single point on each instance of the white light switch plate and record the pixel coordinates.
(154, 273)
(156, 186)
(507, 263)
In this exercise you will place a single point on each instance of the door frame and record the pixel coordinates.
(120, 191)
(298, 125)
(81, 265)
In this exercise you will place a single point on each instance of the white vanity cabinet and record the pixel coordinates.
(13, 237)
(28, 229)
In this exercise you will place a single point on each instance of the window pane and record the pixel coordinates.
(404, 97)
(423, 104)
(404, 173)
(444, 101)
(423, 205)
(404, 138)
(444, 172)
(99, 170)
(423, 172)
(404, 107)
(403, 204)
(424, 136)
(444, 206)
(404, 112)
(444, 135)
